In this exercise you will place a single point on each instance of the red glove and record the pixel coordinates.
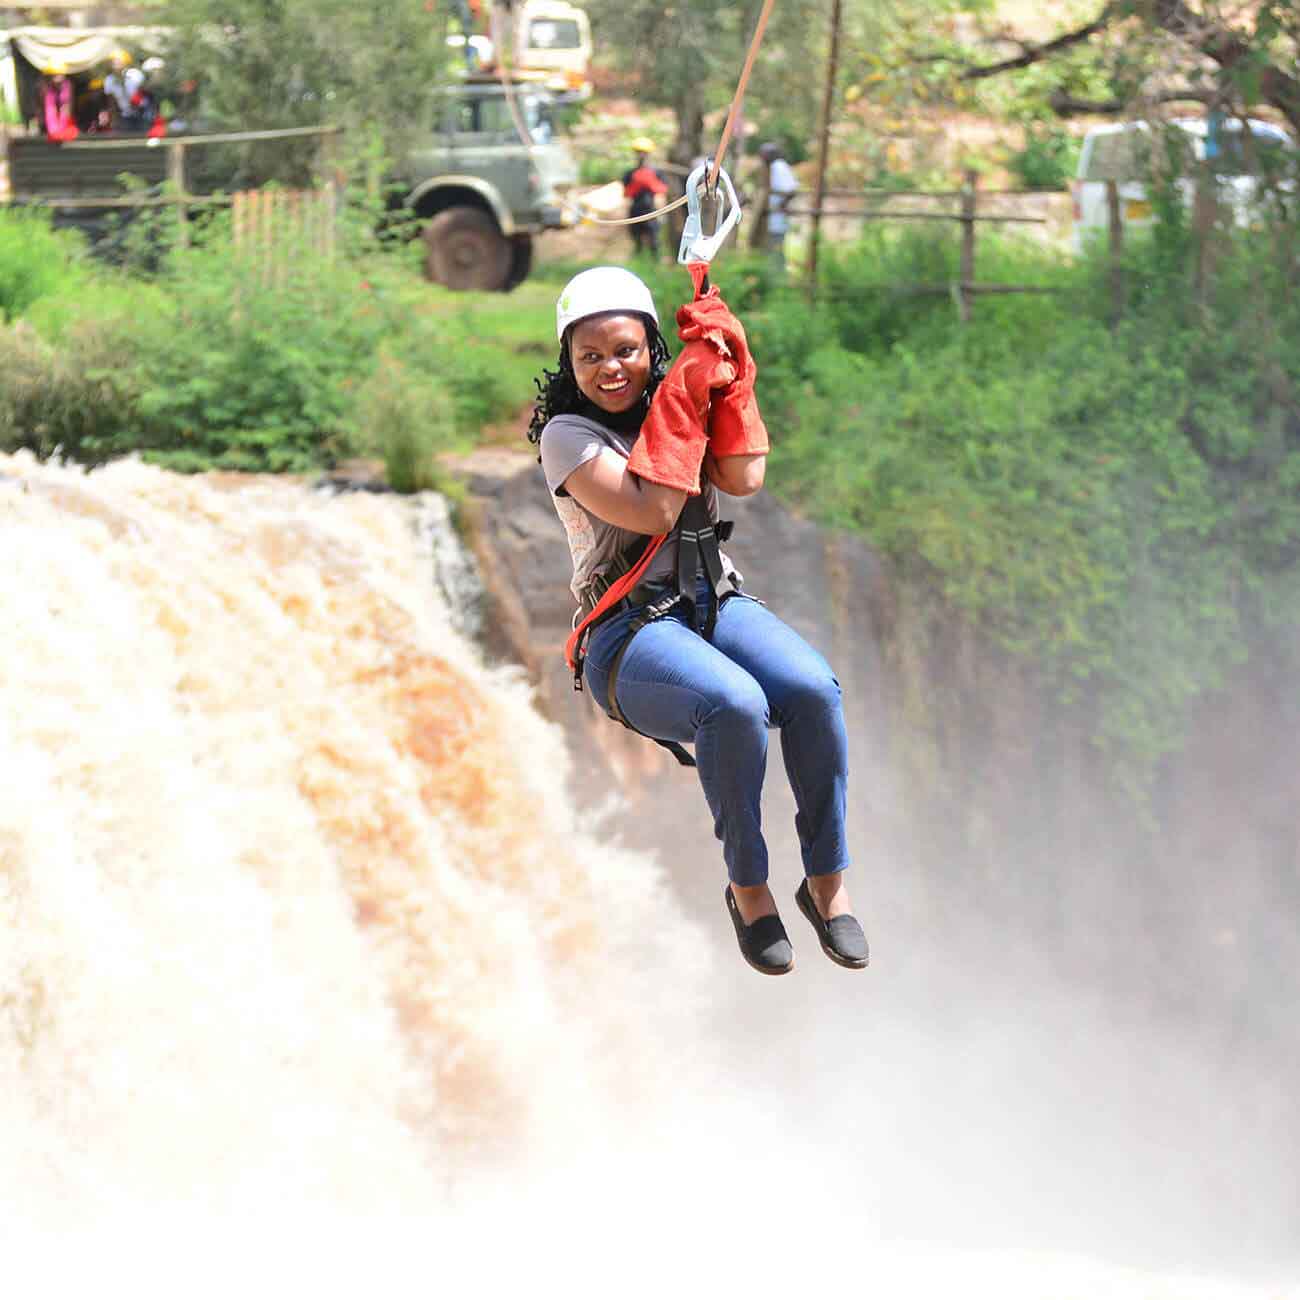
(735, 426)
(705, 401)
(674, 434)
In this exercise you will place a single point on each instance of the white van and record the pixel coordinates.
(1121, 151)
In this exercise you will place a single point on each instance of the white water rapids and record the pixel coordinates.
(313, 981)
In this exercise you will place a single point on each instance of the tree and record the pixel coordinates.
(688, 55)
(1243, 55)
(278, 63)
(675, 55)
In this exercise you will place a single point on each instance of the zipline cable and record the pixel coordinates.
(739, 97)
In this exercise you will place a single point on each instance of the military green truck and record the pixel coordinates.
(481, 192)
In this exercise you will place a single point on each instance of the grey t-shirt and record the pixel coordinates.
(569, 441)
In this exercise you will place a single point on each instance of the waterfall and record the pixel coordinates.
(291, 885)
(315, 978)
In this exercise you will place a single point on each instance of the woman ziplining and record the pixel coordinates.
(634, 453)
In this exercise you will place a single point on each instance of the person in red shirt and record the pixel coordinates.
(57, 104)
(642, 185)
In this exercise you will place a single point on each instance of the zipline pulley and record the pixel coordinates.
(696, 246)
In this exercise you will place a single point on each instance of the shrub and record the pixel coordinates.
(74, 400)
(870, 287)
(251, 363)
(214, 356)
(1119, 505)
(1048, 159)
(35, 260)
(406, 419)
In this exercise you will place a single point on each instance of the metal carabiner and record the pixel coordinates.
(696, 246)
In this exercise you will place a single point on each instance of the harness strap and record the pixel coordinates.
(575, 647)
(712, 562)
(697, 552)
(620, 566)
(688, 565)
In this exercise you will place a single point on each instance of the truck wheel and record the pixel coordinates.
(521, 261)
(465, 250)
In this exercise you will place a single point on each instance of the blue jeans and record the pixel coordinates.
(723, 696)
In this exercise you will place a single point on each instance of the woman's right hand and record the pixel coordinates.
(609, 490)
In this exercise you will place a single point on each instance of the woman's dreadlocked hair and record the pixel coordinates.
(558, 392)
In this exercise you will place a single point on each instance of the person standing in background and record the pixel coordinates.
(781, 184)
(94, 115)
(122, 86)
(57, 104)
(642, 186)
(465, 18)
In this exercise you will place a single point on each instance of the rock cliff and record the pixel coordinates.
(980, 815)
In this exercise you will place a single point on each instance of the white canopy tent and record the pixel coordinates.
(79, 49)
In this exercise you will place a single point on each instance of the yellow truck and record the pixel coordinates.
(547, 42)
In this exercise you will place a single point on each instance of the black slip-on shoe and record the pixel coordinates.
(765, 944)
(841, 937)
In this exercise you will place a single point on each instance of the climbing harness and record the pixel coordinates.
(697, 554)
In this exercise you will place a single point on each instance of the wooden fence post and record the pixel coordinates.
(967, 276)
(331, 221)
(823, 152)
(334, 180)
(176, 177)
(266, 231)
(271, 229)
(761, 207)
(1115, 225)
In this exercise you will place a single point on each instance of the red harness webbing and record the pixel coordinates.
(610, 599)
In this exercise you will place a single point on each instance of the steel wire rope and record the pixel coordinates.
(736, 100)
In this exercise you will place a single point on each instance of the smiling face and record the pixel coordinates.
(611, 360)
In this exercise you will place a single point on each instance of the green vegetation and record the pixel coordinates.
(1047, 160)
(35, 262)
(367, 68)
(273, 360)
(1118, 505)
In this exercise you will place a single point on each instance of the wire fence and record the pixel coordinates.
(85, 175)
(965, 288)
(879, 205)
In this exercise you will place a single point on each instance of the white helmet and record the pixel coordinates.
(603, 288)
